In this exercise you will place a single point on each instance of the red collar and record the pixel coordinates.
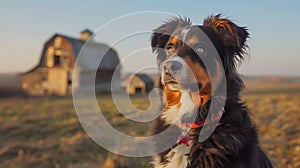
(184, 139)
(201, 123)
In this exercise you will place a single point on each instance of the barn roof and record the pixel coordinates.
(91, 50)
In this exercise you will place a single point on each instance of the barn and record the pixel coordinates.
(53, 75)
(137, 83)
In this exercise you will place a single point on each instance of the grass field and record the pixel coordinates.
(45, 132)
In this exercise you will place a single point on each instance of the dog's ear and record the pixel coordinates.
(161, 35)
(233, 37)
(231, 34)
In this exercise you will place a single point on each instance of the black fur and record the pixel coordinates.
(234, 143)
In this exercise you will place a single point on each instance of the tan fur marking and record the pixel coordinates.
(174, 40)
(198, 99)
(171, 97)
(193, 41)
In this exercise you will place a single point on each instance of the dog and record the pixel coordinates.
(197, 63)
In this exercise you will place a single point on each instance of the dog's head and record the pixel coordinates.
(191, 57)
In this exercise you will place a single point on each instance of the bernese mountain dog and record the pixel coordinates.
(210, 125)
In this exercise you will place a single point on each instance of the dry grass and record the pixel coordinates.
(277, 117)
(45, 132)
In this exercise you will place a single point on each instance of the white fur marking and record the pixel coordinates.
(174, 113)
(187, 104)
(156, 162)
(176, 158)
(170, 115)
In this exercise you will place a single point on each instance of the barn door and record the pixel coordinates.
(58, 81)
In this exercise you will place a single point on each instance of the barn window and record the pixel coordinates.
(138, 90)
(56, 60)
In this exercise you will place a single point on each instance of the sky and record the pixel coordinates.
(27, 25)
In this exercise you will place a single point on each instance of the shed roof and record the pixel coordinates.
(145, 78)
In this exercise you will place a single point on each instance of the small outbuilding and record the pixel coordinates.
(137, 83)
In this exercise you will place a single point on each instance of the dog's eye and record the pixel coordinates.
(200, 50)
(170, 47)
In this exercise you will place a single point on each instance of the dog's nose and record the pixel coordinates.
(172, 66)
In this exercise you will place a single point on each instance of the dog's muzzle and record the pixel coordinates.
(172, 67)
(171, 74)
(176, 76)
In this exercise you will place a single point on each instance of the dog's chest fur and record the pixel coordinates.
(174, 113)
(177, 156)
